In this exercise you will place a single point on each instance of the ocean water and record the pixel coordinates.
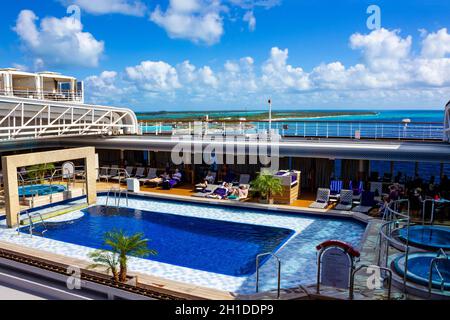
(382, 115)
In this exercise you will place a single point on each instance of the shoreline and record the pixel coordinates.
(296, 115)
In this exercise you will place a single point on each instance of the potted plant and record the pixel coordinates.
(267, 186)
(122, 246)
(107, 259)
(38, 171)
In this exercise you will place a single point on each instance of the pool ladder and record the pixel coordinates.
(434, 264)
(31, 225)
(116, 194)
(278, 271)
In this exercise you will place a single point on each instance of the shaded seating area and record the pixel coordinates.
(122, 175)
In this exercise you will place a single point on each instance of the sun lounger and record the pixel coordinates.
(113, 171)
(219, 193)
(244, 179)
(345, 200)
(103, 174)
(122, 175)
(209, 178)
(207, 191)
(367, 202)
(139, 173)
(323, 196)
(243, 194)
(151, 174)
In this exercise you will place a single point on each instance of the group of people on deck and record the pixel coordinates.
(227, 191)
(166, 180)
(416, 191)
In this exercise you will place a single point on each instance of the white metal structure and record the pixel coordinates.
(447, 123)
(48, 104)
(43, 85)
(24, 118)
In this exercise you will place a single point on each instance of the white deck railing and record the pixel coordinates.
(24, 119)
(306, 129)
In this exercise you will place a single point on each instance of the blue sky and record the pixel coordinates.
(233, 54)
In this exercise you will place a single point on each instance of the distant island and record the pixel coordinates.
(164, 116)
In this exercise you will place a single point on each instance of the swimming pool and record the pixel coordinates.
(298, 254)
(419, 269)
(204, 244)
(428, 237)
(39, 190)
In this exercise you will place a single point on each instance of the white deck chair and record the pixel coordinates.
(103, 173)
(345, 200)
(139, 173)
(322, 199)
(151, 174)
(122, 176)
(112, 172)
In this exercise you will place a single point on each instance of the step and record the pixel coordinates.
(52, 214)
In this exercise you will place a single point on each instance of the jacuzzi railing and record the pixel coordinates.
(394, 220)
(440, 256)
(56, 174)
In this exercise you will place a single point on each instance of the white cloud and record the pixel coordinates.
(250, 4)
(279, 75)
(389, 73)
(436, 45)
(196, 20)
(132, 8)
(58, 41)
(382, 49)
(154, 76)
(250, 19)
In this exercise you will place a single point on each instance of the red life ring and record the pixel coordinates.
(337, 243)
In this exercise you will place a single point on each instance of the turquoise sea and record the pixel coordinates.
(382, 115)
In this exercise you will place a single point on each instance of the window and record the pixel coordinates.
(428, 169)
(337, 168)
(406, 168)
(381, 167)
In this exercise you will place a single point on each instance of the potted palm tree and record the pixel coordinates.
(38, 171)
(267, 186)
(107, 259)
(122, 246)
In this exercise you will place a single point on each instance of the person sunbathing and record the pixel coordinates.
(172, 182)
(158, 180)
(239, 193)
(221, 192)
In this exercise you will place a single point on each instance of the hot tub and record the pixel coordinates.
(427, 237)
(419, 269)
(39, 190)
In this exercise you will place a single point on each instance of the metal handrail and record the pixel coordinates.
(117, 192)
(440, 256)
(306, 128)
(352, 279)
(278, 271)
(424, 202)
(395, 219)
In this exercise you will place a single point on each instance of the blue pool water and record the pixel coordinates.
(211, 245)
(419, 269)
(39, 190)
(430, 237)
